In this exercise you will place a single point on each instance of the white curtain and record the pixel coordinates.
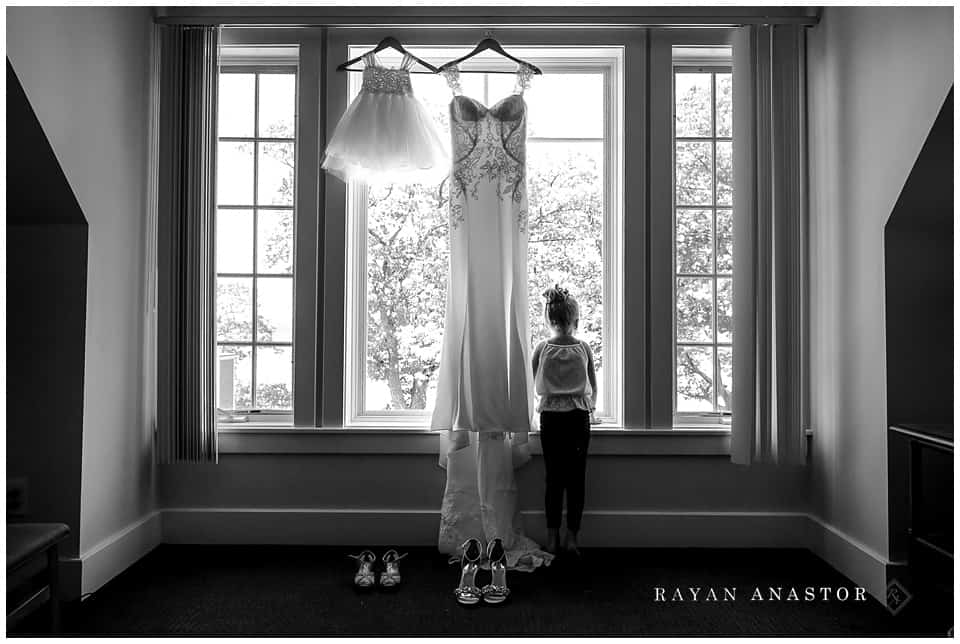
(769, 207)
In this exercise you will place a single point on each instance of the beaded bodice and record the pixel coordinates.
(384, 80)
(489, 146)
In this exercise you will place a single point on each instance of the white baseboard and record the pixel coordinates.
(300, 526)
(420, 527)
(119, 551)
(856, 560)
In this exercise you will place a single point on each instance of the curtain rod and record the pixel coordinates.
(474, 17)
(294, 22)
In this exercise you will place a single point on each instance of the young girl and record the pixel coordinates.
(567, 385)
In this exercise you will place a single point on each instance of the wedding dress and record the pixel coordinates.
(386, 134)
(485, 384)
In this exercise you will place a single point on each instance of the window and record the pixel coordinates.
(331, 296)
(703, 234)
(256, 214)
(398, 247)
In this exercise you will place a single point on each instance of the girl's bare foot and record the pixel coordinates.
(570, 543)
(553, 538)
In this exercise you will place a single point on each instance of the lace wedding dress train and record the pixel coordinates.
(484, 388)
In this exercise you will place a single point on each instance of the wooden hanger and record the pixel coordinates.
(392, 43)
(494, 45)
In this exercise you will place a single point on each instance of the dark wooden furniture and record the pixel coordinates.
(930, 500)
(27, 545)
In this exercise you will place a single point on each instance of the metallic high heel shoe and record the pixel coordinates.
(390, 577)
(496, 592)
(467, 592)
(364, 579)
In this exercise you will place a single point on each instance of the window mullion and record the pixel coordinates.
(306, 349)
(256, 202)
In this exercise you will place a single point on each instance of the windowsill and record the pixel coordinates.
(605, 440)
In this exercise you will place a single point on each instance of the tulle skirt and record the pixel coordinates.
(386, 137)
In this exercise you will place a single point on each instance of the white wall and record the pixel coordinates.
(84, 70)
(877, 78)
(636, 498)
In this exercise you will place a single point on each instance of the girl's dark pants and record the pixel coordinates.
(564, 438)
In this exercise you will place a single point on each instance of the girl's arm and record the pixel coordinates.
(591, 376)
(536, 357)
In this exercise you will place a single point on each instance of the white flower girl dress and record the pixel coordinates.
(386, 134)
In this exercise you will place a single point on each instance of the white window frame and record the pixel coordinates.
(248, 61)
(715, 60)
(556, 59)
(300, 48)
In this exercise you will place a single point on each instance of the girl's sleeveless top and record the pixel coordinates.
(561, 380)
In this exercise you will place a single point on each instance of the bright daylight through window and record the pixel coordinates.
(703, 170)
(400, 243)
(254, 239)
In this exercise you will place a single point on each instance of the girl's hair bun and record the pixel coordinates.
(561, 309)
(556, 294)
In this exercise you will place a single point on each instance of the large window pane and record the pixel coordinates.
(694, 379)
(275, 174)
(234, 174)
(274, 309)
(694, 309)
(565, 233)
(234, 309)
(274, 378)
(693, 96)
(275, 241)
(277, 105)
(694, 173)
(235, 112)
(407, 255)
(234, 241)
(694, 241)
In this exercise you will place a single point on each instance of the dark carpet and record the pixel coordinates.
(285, 590)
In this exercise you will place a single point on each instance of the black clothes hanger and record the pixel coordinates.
(483, 45)
(393, 43)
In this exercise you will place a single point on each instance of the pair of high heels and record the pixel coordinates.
(366, 577)
(496, 592)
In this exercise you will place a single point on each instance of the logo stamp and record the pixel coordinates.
(897, 597)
